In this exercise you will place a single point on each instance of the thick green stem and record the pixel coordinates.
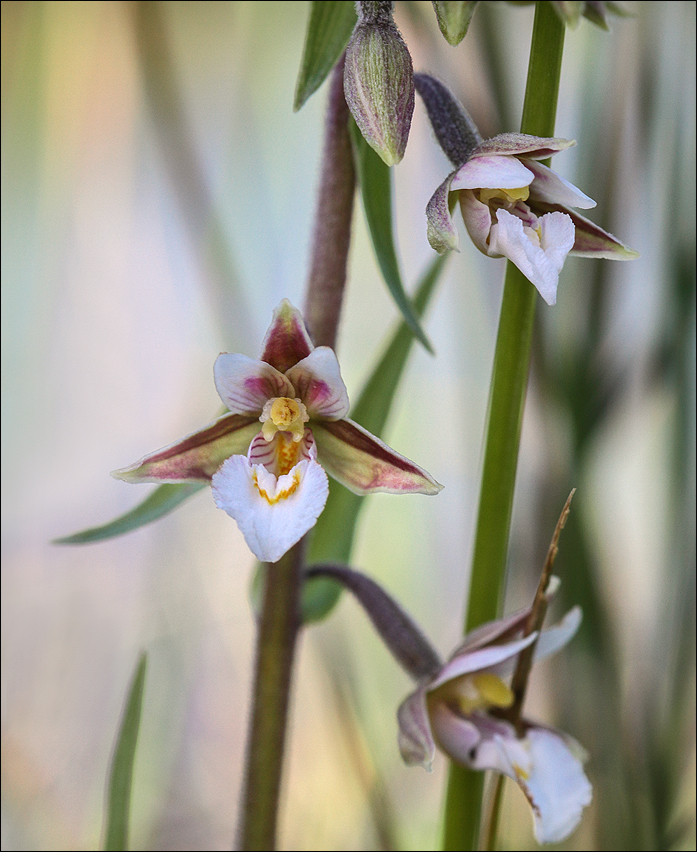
(278, 629)
(506, 404)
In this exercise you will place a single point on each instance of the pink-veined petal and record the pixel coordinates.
(482, 658)
(273, 513)
(519, 144)
(541, 264)
(287, 340)
(281, 452)
(441, 231)
(492, 173)
(196, 457)
(492, 631)
(552, 188)
(317, 381)
(244, 384)
(416, 743)
(477, 219)
(362, 463)
(590, 239)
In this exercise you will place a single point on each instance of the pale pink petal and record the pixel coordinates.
(516, 144)
(492, 173)
(318, 383)
(482, 658)
(416, 743)
(591, 240)
(272, 513)
(267, 453)
(552, 188)
(287, 340)
(554, 638)
(491, 631)
(198, 456)
(541, 263)
(477, 219)
(456, 735)
(441, 231)
(362, 463)
(244, 384)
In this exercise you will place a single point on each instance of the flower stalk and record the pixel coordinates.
(506, 404)
(280, 615)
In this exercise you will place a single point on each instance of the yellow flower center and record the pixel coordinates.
(507, 197)
(283, 414)
(480, 690)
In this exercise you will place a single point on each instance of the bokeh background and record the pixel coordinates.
(157, 203)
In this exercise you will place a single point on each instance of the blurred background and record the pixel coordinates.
(157, 203)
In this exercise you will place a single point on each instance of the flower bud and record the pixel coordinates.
(454, 18)
(378, 82)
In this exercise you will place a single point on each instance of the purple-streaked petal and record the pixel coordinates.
(554, 638)
(590, 239)
(520, 144)
(441, 231)
(245, 385)
(281, 452)
(196, 457)
(492, 172)
(287, 340)
(482, 658)
(273, 513)
(416, 743)
(552, 188)
(362, 463)
(493, 631)
(317, 381)
(477, 219)
(541, 264)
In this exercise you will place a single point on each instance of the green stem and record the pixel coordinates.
(278, 629)
(507, 399)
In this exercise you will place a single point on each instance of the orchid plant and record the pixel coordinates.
(286, 428)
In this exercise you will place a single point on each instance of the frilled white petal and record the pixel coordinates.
(492, 172)
(550, 775)
(317, 381)
(245, 384)
(552, 188)
(540, 263)
(273, 513)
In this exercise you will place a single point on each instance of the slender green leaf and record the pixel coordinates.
(158, 503)
(328, 31)
(121, 774)
(376, 189)
(332, 536)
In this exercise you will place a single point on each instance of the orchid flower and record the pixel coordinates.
(515, 207)
(462, 708)
(266, 458)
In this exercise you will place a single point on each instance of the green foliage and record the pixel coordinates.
(158, 503)
(376, 190)
(121, 775)
(328, 31)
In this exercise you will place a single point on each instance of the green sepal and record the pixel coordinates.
(328, 31)
(121, 772)
(376, 190)
(158, 503)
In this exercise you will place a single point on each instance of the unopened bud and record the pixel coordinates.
(454, 18)
(378, 82)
